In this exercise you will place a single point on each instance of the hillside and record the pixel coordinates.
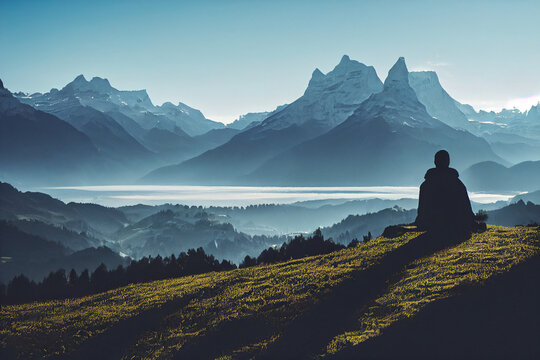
(329, 306)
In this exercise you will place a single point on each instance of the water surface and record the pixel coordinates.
(119, 195)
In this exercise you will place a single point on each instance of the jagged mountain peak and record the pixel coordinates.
(1, 85)
(317, 74)
(344, 60)
(97, 84)
(398, 76)
(79, 79)
(347, 65)
(100, 83)
(424, 78)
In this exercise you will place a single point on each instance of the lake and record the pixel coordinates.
(119, 195)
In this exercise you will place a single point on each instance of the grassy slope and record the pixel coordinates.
(260, 311)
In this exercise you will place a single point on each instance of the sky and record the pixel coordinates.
(231, 57)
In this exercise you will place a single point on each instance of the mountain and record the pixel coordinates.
(99, 94)
(94, 220)
(109, 137)
(356, 226)
(136, 105)
(39, 147)
(172, 231)
(36, 257)
(533, 196)
(492, 176)
(409, 296)
(328, 100)
(519, 213)
(252, 119)
(438, 103)
(190, 120)
(390, 139)
(127, 128)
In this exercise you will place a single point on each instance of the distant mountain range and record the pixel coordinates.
(492, 176)
(91, 233)
(126, 133)
(328, 100)
(348, 128)
(389, 139)
(302, 146)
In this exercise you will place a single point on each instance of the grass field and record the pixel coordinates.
(253, 312)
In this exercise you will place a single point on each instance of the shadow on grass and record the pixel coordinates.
(308, 334)
(113, 343)
(499, 320)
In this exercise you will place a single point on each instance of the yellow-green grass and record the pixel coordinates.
(440, 276)
(276, 293)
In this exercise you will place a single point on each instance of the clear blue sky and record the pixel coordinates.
(231, 57)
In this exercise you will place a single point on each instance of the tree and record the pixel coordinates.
(98, 281)
(73, 279)
(20, 289)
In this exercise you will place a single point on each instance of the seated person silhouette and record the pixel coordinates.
(444, 206)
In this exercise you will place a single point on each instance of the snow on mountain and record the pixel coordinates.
(397, 103)
(136, 104)
(329, 99)
(191, 120)
(390, 139)
(250, 120)
(98, 93)
(438, 103)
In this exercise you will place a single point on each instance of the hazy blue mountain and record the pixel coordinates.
(516, 152)
(106, 133)
(519, 213)
(95, 220)
(514, 135)
(126, 127)
(215, 137)
(36, 257)
(191, 120)
(492, 176)
(252, 119)
(100, 95)
(438, 103)
(275, 219)
(171, 232)
(172, 146)
(533, 196)
(356, 226)
(70, 239)
(507, 122)
(328, 100)
(390, 139)
(37, 147)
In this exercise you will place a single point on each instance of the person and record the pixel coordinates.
(443, 205)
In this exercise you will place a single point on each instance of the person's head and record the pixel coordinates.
(442, 159)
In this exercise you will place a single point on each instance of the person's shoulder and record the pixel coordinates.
(430, 173)
(444, 173)
(453, 172)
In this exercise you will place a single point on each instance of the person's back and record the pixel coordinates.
(444, 205)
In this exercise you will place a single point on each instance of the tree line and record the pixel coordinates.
(297, 248)
(61, 285)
